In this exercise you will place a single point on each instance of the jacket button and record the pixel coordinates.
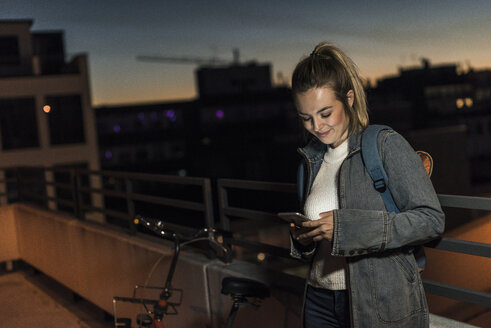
(352, 252)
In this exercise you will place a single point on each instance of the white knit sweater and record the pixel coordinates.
(327, 271)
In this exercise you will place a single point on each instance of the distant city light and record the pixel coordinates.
(116, 128)
(171, 115)
(261, 257)
(220, 114)
(47, 108)
(108, 155)
(460, 103)
(468, 102)
(141, 116)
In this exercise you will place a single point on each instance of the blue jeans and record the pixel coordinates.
(326, 308)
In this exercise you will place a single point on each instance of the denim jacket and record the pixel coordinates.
(384, 285)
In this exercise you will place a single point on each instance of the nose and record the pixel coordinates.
(316, 125)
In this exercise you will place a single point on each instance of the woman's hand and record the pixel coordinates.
(296, 231)
(319, 229)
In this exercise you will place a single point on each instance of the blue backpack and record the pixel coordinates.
(375, 168)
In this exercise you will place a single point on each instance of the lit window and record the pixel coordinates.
(468, 102)
(460, 103)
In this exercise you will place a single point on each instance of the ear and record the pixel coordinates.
(351, 97)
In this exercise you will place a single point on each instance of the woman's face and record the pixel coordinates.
(323, 115)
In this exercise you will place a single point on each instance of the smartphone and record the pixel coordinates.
(294, 217)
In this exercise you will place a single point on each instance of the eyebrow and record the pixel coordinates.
(318, 112)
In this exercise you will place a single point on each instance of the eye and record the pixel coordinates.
(325, 115)
(305, 118)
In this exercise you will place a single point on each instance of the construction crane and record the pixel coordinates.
(190, 60)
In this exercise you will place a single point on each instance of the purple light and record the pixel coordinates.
(220, 114)
(141, 116)
(108, 155)
(116, 128)
(170, 114)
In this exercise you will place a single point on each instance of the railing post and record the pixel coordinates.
(130, 205)
(224, 220)
(50, 189)
(208, 203)
(222, 204)
(80, 199)
(19, 184)
(75, 192)
(3, 188)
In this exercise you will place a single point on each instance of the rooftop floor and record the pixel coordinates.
(30, 299)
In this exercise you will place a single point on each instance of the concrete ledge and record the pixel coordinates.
(9, 249)
(98, 263)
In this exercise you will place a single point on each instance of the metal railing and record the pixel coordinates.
(78, 182)
(447, 244)
(74, 190)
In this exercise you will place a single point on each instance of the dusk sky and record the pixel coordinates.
(380, 36)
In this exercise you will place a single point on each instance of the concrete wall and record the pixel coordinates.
(99, 263)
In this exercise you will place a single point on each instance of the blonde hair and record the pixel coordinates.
(328, 66)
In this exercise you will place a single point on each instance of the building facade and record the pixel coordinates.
(46, 116)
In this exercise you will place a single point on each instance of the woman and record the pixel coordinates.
(363, 273)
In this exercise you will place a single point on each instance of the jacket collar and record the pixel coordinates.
(314, 150)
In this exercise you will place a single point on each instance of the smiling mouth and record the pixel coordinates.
(323, 134)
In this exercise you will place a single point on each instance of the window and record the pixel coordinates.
(65, 119)
(18, 123)
(50, 51)
(9, 50)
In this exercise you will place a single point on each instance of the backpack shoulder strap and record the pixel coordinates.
(374, 165)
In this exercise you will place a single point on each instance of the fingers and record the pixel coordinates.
(296, 231)
(321, 229)
(310, 234)
(316, 229)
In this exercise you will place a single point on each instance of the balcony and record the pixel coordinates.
(76, 227)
